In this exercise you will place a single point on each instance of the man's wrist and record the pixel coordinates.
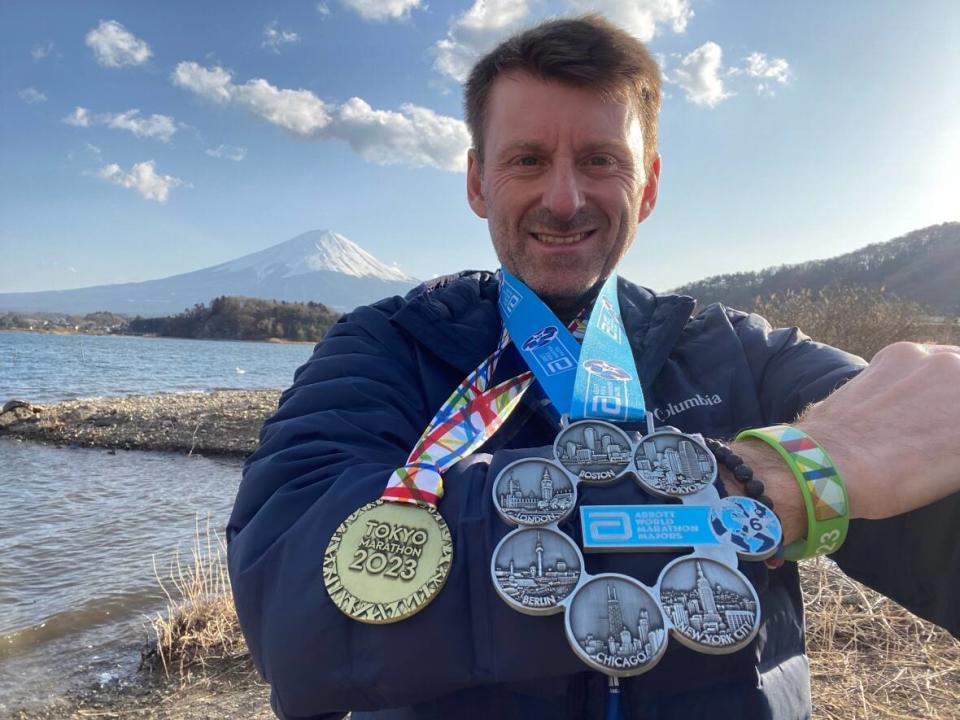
(779, 484)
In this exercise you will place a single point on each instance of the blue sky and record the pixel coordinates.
(140, 140)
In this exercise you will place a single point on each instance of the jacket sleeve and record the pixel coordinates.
(913, 558)
(350, 418)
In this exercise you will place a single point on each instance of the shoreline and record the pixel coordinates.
(63, 332)
(217, 422)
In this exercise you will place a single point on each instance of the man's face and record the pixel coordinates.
(561, 184)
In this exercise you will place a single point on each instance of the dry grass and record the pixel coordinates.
(198, 637)
(870, 658)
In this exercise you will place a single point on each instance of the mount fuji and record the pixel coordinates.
(319, 266)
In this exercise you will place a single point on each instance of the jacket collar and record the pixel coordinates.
(456, 318)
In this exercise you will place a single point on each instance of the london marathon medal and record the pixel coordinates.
(533, 491)
(391, 557)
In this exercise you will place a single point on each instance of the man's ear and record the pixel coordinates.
(649, 199)
(475, 184)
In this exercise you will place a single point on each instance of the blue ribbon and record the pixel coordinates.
(595, 380)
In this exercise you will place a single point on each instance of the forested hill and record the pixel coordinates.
(242, 318)
(922, 266)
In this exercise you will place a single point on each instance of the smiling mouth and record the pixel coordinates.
(573, 239)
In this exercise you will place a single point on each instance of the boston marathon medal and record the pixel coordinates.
(596, 452)
(387, 561)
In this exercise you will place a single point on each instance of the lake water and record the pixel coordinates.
(44, 368)
(80, 529)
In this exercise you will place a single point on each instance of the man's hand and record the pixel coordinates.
(893, 433)
(894, 430)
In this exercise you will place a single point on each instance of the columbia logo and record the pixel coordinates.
(698, 400)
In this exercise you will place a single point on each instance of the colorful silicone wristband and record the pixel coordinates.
(824, 495)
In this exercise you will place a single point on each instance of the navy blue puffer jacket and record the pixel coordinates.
(359, 405)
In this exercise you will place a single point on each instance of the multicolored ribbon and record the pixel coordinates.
(468, 418)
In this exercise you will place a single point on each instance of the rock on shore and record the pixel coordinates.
(223, 422)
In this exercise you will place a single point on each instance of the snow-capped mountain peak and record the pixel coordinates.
(314, 251)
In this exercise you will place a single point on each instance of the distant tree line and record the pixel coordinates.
(99, 323)
(242, 318)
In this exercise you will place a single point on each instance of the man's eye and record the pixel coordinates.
(601, 161)
(528, 161)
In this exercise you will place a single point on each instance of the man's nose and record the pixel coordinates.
(563, 196)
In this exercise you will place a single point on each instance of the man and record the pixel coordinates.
(564, 168)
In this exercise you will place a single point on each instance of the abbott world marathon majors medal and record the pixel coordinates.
(614, 623)
(391, 557)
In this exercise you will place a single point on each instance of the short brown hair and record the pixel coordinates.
(589, 52)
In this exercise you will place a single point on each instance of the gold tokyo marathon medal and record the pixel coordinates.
(387, 561)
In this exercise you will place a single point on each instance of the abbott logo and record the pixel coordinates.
(606, 526)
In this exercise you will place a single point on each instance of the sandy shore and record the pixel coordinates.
(225, 422)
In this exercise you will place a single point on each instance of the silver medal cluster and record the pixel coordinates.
(614, 623)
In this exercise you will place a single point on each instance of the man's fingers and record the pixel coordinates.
(931, 348)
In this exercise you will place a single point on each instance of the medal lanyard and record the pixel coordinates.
(597, 379)
(469, 417)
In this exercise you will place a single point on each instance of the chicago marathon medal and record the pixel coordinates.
(615, 625)
(387, 561)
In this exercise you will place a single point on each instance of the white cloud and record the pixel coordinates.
(159, 127)
(143, 178)
(414, 136)
(299, 111)
(323, 9)
(114, 46)
(477, 31)
(32, 96)
(228, 152)
(700, 74)
(274, 38)
(40, 52)
(487, 22)
(383, 9)
(214, 84)
(93, 149)
(79, 118)
(767, 69)
(643, 18)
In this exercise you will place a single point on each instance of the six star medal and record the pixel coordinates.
(387, 561)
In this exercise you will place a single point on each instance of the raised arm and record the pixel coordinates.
(892, 432)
